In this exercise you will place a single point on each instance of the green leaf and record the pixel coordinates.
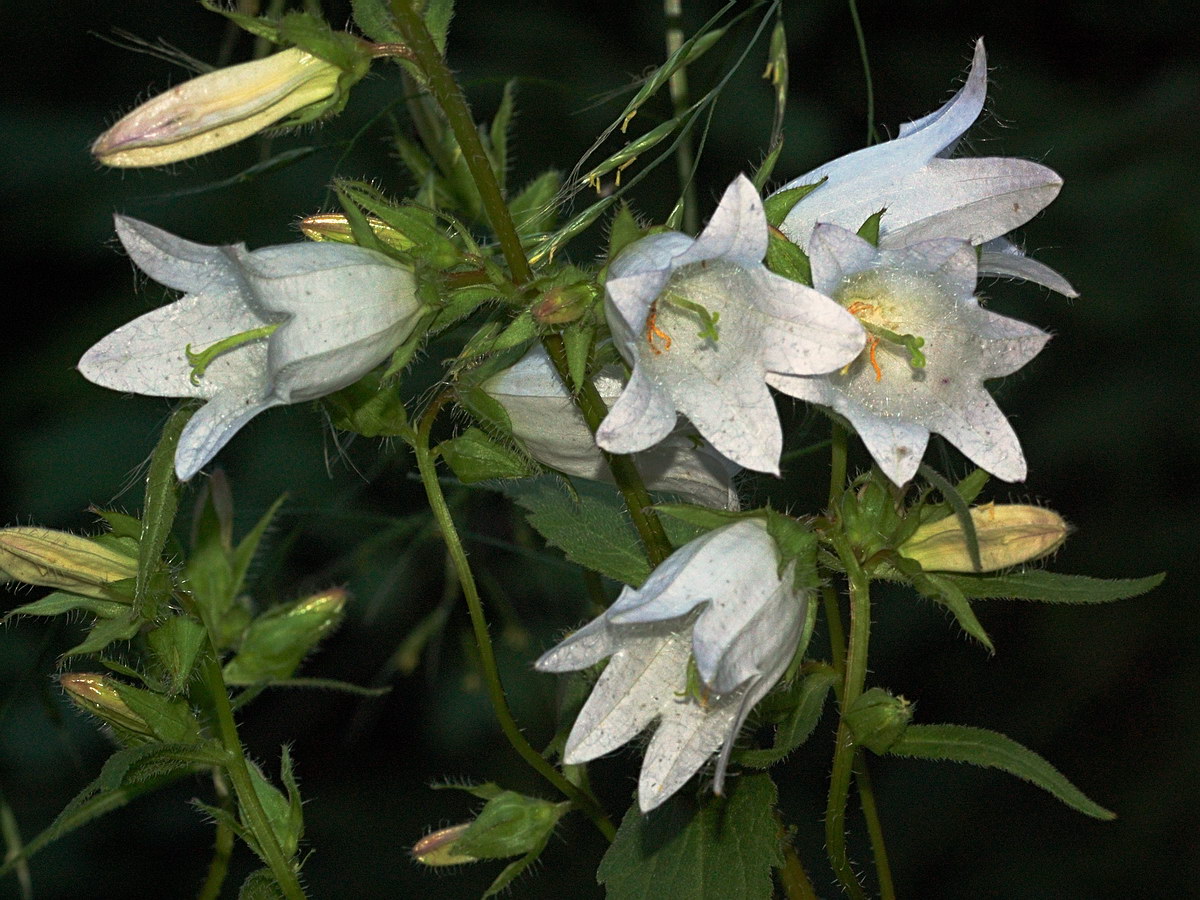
(279, 810)
(498, 133)
(990, 749)
(722, 849)
(1051, 587)
(475, 457)
(808, 696)
(763, 173)
(249, 544)
(59, 602)
(127, 774)
(591, 528)
(158, 513)
(13, 848)
(578, 338)
(360, 228)
(438, 14)
(374, 19)
(949, 595)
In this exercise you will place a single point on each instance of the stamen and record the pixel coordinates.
(653, 331)
(860, 306)
(872, 344)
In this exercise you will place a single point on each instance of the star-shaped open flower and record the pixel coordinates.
(928, 195)
(702, 321)
(255, 329)
(719, 600)
(546, 421)
(931, 347)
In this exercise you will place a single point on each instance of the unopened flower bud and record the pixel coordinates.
(64, 561)
(1008, 535)
(276, 642)
(97, 694)
(218, 109)
(438, 848)
(336, 227)
(877, 719)
(561, 305)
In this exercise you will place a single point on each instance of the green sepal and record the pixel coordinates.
(958, 505)
(418, 225)
(805, 700)
(778, 205)
(878, 720)
(869, 230)
(260, 885)
(510, 824)
(1051, 587)
(360, 228)
(475, 457)
(939, 588)
(704, 518)
(533, 210)
(722, 847)
(457, 304)
(797, 544)
(176, 645)
(498, 133)
(60, 602)
(121, 525)
(578, 338)
(107, 631)
(787, 259)
(158, 512)
(990, 749)
(623, 231)
(483, 407)
(171, 721)
(370, 407)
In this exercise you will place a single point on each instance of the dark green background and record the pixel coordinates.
(1105, 96)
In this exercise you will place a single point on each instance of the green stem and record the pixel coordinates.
(218, 867)
(792, 877)
(872, 135)
(449, 97)
(837, 465)
(866, 796)
(238, 770)
(852, 686)
(685, 161)
(487, 656)
(625, 474)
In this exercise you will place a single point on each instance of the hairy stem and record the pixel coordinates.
(218, 866)
(449, 97)
(253, 815)
(487, 656)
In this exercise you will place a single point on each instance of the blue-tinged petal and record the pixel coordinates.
(212, 426)
(642, 416)
(1004, 259)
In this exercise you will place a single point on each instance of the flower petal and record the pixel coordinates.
(642, 416)
(687, 737)
(1002, 258)
(737, 231)
(212, 426)
(172, 261)
(981, 431)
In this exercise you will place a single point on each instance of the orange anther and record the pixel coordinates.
(653, 331)
(871, 345)
(859, 306)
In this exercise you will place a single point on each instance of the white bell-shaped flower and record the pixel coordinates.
(931, 347)
(255, 329)
(928, 195)
(719, 600)
(702, 322)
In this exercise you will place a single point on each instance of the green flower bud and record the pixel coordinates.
(336, 227)
(276, 642)
(877, 719)
(97, 694)
(64, 561)
(1008, 535)
(438, 848)
(217, 109)
(561, 305)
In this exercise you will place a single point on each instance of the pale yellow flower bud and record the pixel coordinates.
(64, 561)
(98, 695)
(1008, 535)
(336, 227)
(437, 847)
(217, 109)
